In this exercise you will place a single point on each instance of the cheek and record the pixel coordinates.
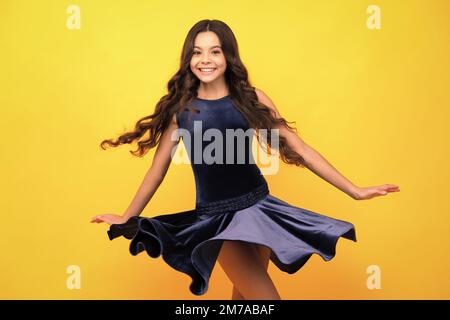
(194, 60)
(221, 63)
(192, 65)
(223, 68)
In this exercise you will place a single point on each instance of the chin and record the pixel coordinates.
(207, 80)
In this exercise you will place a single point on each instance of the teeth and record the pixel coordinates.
(207, 70)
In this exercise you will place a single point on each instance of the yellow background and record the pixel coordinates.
(373, 102)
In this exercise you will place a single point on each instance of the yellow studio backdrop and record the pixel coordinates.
(372, 101)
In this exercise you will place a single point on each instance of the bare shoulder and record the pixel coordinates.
(264, 99)
(174, 120)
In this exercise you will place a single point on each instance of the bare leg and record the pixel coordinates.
(242, 263)
(264, 253)
(236, 295)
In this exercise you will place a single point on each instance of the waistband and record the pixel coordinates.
(234, 203)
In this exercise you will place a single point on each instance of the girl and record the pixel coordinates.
(236, 220)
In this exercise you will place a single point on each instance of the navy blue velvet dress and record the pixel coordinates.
(232, 203)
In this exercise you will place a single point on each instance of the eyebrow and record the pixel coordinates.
(210, 48)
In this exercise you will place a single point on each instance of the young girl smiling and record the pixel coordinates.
(236, 221)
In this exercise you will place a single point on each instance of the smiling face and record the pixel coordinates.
(208, 62)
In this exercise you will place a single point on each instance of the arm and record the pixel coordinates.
(319, 165)
(155, 175)
(152, 179)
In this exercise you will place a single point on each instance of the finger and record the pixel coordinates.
(106, 220)
(98, 219)
(389, 187)
(393, 189)
(392, 186)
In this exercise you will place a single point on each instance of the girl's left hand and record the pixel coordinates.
(370, 192)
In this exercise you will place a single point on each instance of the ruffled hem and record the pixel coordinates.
(190, 243)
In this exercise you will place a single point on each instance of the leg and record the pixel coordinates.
(264, 253)
(242, 264)
(236, 295)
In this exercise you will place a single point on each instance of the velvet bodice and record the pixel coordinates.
(237, 175)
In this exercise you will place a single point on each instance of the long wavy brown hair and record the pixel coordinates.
(182, 90)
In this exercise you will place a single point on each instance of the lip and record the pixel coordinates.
(208, 72)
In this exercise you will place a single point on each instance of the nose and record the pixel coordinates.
(205, 59)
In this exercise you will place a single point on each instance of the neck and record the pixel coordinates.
(212, 90)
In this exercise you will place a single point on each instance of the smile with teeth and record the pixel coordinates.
(207, 70)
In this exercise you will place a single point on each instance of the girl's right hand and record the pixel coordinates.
(109, 218)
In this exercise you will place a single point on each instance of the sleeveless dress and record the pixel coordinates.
(232, 203)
